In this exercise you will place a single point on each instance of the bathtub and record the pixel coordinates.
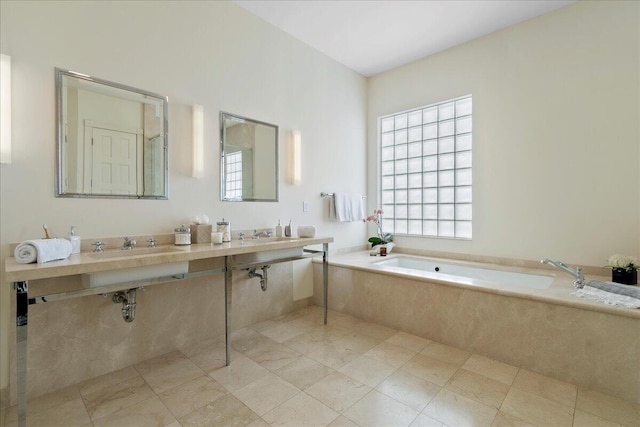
(519, 314)
(406, 264)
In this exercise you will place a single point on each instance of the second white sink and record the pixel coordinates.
(124, 275)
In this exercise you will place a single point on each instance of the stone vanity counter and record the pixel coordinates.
(87, 262)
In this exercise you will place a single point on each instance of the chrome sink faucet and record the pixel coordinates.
(578, 283)
(128, 244)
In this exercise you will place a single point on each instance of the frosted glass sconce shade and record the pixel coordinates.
(198, 141)
(5, 109)
(295, 166)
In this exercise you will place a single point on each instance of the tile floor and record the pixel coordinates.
(294, 371)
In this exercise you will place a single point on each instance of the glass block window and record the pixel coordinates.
(233, 180)
(425, 170)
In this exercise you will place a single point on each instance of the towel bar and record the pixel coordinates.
(323, 194)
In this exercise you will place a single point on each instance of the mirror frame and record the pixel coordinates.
(59, 75)
(224, 115)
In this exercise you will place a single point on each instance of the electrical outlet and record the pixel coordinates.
(305, 206)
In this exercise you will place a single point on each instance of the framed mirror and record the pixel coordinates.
(248, 159)
(112, 139)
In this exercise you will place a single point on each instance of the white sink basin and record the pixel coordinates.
(124, 275)
(120, 253)
(266, 256)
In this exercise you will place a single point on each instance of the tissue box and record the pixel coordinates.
(307, 231)
(201, 233)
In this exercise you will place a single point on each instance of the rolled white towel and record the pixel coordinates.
(42, 250)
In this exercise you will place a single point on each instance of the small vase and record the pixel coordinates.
(621, 275)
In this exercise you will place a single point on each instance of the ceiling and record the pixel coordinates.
(372, 36)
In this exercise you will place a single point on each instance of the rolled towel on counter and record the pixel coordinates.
(627, 290)
(42, 250)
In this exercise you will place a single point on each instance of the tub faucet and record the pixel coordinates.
(577, 273)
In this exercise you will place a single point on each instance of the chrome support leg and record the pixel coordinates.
(22, 320)
(228, 278)
(325, 278)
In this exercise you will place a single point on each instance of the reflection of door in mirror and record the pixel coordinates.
(112, 139)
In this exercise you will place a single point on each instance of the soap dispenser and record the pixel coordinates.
(75, 240)
(279, 229)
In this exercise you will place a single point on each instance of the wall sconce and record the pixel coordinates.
(295, 165)
(5, 108)
(198, 141)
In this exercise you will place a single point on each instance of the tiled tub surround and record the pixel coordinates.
(73, 340)
(548, 331)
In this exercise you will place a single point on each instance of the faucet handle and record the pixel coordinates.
(241, 236)
(151, 242)
(98, 244)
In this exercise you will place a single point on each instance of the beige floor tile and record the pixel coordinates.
(423, 421)
(179, 372)
(42, 403)
(213, 357)
(107, 380)
(446, 353)
(455, 410)
(390, 354)
(357, 342)
(506, 420)
(283, 333)
(301, 410)
(226, 411)
(306, 343)
(430, 369)
(367, 370)
(263, 395)
(238, 374)
(333, 355)
(343, 320)
(608, 407)
(374, 330)
(556, 390)
(408, 389)
(149, 413)
(491, 368)
(275, 356)
(478, 387)
(338, 391)
(190, 396)
(159, 362)
(377, 409)
(329, 332)
(71, 413)
(408, 341)
(258, 423)
(303, 372)
(112, 399)
(249, 342)
(536, 409)
(342, 421)
(585, 419)
(267, 324)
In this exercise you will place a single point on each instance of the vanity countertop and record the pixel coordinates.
(87, 262)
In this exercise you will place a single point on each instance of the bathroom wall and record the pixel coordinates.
(556, 133)
(210, 53)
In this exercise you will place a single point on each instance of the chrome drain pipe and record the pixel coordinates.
(263, 276)
(128, 300)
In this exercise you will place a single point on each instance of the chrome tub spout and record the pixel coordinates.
(578, 283)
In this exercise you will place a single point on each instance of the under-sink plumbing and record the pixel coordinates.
(263, 276)
(128, 300)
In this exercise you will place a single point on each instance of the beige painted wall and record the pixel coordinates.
(209, 53)
(555, 127)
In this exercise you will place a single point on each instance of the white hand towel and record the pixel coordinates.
(343, 206)
(357, 207)
(42, 250)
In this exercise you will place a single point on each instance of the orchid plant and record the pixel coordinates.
(628, 263)
(382, 238)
